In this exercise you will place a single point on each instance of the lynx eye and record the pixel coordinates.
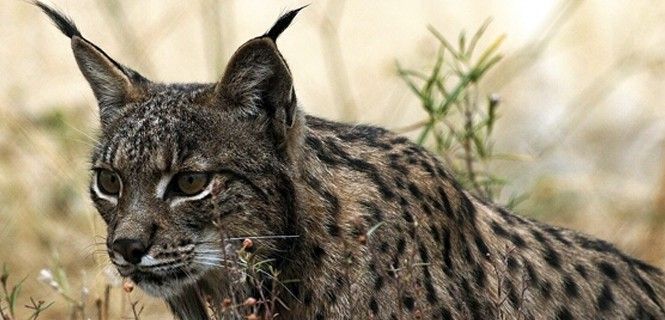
(189, 183)
(108, 182)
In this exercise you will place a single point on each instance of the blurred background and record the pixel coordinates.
(581, 110)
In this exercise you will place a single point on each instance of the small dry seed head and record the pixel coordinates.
(46, 276)
(128, 286)
(247, 243)
(249, 302)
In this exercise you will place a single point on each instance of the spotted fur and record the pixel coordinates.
(434, 250)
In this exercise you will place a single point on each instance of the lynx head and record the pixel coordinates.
(179, 167)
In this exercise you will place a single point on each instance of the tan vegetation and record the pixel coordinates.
(580, 116)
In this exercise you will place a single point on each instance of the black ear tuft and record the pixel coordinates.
(63, 22)
(282, 23)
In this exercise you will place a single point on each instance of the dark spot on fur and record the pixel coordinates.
(446, 202)
(552, 257)
(424, 255)
(641, 314)
(512, 293)
(564, 314)
(445, 251)
(426, 208)
(608, 270)
(499, 230)
(605, 299)
(539, 236)
(333, 229)
(482, 247)
(512, 263)
(581, 270)
(570, 287)
(399, 140)
(471, 302)
(517, 240)
(507, 217)
(401, 244)
(408, 302)
(531, 273)
(384, 247)
(317, 253)
(403, 202)
(466, 254)
(378, 283)
(429, 286)
(556, 234)
(467, 207)
(428, 167)
(647, 289)
(546, 289)
(479, 276)
(331, 296)
(444, 314)
(407, 216)
(435, 233)
(374, 306)
(399, 182)
(415, 191)
(374, 210)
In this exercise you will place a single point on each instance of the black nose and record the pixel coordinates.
(130, 249)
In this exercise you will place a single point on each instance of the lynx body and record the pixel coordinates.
(183, 172)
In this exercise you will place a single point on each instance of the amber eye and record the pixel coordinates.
(108, 182)
(189, 183)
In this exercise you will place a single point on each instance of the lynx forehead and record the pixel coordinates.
(183, 172)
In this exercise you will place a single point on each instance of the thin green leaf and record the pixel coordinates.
(424, 133)
(489, 52)
(13, 296)
(480, 146)
(462, 44)
(444, 42)
(476, 37)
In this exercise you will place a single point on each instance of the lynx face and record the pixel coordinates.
(162, 176)
(182, 171)
(173, 176)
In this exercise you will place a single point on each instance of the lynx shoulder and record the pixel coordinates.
(361, 222)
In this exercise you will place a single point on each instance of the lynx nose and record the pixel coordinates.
(130, 249)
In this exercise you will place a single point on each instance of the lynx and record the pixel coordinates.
(366, 224)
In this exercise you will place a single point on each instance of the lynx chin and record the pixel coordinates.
(182, 173)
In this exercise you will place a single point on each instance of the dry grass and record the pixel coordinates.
(580, 108)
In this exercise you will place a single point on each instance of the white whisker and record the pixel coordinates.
(263, 237)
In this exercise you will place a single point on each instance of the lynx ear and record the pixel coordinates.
(257, 79)
(112, 83)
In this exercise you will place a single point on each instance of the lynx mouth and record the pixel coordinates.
(162, 279)
(165, 283)
(141, 277)
(170, 276)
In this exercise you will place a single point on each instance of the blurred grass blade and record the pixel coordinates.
(461, 42)
(489, 52)
(476, 36)
(444, 42)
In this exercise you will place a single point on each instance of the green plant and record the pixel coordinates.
(460, 119)
(56, 278)
(11, 297)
